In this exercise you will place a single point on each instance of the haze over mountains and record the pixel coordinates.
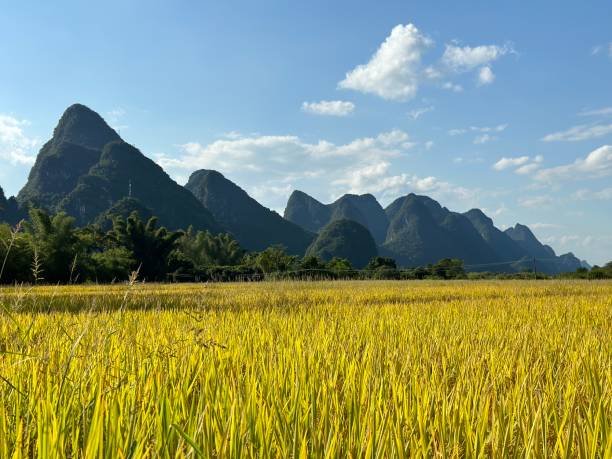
(89, 172)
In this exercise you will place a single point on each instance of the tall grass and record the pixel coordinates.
(368, 369)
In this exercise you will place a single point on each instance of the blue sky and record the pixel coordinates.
(495, 105)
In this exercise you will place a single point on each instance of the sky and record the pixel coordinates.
(505, 106)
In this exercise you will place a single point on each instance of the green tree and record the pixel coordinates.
(339, 264)
(55, 244)
(275, 259)
(312, 262)
(115, 263)
(381, 263)
(448, 268)
(15, 255)
(149, 244)
(205, 249)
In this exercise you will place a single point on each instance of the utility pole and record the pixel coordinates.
(535, 271)
(130, 188)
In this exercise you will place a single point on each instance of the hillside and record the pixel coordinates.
(421, 232)
(253, 225)
(310, 214)
(86, 168)
(9, 209)
(344, 239)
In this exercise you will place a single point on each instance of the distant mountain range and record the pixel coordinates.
(89, 172)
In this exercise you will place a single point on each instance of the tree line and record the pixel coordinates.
(52, 249)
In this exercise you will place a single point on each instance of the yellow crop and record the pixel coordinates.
(347, 369)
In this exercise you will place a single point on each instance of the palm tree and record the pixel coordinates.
(150, 244)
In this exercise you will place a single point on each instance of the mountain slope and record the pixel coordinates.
(546, 258)
(86, 168)
(252, 224)
(9, 210)
(421, 232)
(306, 211)
(344, 239)
(523, 236)
(310, 214)
(506, 247)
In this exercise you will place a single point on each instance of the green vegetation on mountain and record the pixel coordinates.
(309, 213)
(88, 172)
(86, 169)
(9, 209)
(523, 236)
(499, 241)
(344, 239)
(421, 232)
(253, 225)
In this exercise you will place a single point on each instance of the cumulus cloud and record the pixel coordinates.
(461, 59)
(15, 146)
(375, 178)
(329, 107)
(598, 163)
(522, 165)
(396, 70)
(466, 58)
(485, 76)
(271, 166)
(393, 72)
(505, 163)
(581, 132)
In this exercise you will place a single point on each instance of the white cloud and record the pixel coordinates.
(452, 87)
(269, 167)
(544, 226)
(429, 144)
(527, 169)
(466, 58)
(581, 132)
(485, 76)
(454, 132)
(522, 165)
(603, 195)
(375, 178)
(482, 129)
(15, 146)
(418, 112)
(394, 71)
(536, 202)
(505, 163)
(605, 111)
(484, 138)
(598, 163)
(329, 107)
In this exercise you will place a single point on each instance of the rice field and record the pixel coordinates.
(321, 369)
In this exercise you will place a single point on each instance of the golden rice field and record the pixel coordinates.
(346, 369)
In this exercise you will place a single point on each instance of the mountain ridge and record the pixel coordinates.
(85, 168)
(254, 226)
(89, 172)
